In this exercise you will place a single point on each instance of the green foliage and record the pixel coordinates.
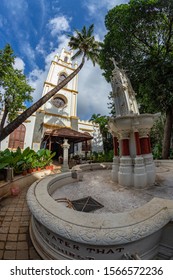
(103, 123)
(140, 38)
(156, 137)
(102, 157)
(23, 160)
(157, 151)
(84, 42)
(14, 88)
(45, 157)
(171, 153)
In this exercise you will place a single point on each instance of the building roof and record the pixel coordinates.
(67, 133)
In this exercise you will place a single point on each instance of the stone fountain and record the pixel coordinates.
(135, 218)
(133, 164)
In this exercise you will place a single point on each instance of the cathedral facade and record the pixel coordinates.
(57, 116)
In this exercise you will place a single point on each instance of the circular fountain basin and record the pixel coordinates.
(131, 221)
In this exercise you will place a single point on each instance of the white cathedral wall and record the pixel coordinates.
(29, 124)
(50, 108)
(29, 131)
(93, 130)
(54, 120)
(4, 144)
(53, 77)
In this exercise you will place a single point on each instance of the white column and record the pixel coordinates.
(115, 164)
(125, 177)
(148, 157)
(65, 166)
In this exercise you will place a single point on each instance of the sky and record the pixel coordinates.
(38, 29)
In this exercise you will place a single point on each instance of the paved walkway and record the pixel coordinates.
(15, 242)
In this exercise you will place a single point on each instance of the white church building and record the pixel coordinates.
(57, 119)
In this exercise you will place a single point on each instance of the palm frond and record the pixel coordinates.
(77, 54)
(85, 43)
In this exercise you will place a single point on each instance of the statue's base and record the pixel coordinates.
(138, 172)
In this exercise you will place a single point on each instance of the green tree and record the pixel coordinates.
(86, 45)
(103, 123)
(14, 89)
(156, 137)
(140, 38)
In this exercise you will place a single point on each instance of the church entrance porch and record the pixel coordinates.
(54, 140)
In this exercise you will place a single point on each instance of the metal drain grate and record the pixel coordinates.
(86, 204)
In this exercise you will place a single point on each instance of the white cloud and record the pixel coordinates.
(101, 9)
(19, 64)
(3, 21)
(93, 89)
(93, 7)
(17, 8)
(58, 25)
(40, 48)
(29, 52)
(38, 76)
(36, 79)
(93, 92)
(62, 43)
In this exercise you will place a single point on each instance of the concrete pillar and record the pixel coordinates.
(66, 146)
(125, 173)
(148, 157)
(149, 145)
(115, 145)
(125, 147)
(137, 142)
(144, 145)
(115, 164)
(140, 176)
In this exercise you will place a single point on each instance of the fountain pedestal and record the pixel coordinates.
(135, 165)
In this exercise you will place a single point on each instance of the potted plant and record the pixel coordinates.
(7, 163)
(45, 157)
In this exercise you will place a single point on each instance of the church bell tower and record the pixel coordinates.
(61, 110)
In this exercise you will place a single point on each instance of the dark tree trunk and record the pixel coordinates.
(4, 118)
(28, 112)
(167, 133)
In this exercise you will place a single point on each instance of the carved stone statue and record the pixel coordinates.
(123, 93)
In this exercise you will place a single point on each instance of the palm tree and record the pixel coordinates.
(86, 45)
(106, 136)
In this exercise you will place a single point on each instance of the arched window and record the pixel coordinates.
(17, 138)
(65, 59)
(62, 76)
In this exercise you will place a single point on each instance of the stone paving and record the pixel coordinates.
(15, 242)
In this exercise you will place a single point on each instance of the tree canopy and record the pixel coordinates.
(140, 38)
(84, 42)
(14, 88)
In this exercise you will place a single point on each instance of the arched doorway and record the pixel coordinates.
(17, 138)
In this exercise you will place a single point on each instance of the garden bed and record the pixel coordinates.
(19, 182)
